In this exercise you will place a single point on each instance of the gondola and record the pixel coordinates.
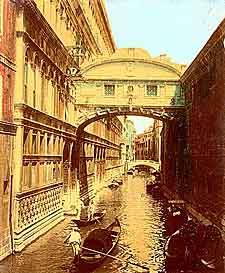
(212, 249)
(195, 244)
(100, 241)
(97, 216)
(176, 216)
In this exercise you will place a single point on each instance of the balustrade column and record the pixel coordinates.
(33, 174)
(37, 176)
(30, 142)
(41, 173)
(18, 158)
(51, 145)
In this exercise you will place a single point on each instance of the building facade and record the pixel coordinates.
(203, 84)
(148, 144)
(53, 39)
(7, 128)
(101, 155)
(67, 67)
(129, 134)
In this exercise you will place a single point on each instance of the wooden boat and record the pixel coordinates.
(100, 241)
(156, 191)
(176, 217)
(175, 246)
(97, 216)
(195, 244)
(211, 251)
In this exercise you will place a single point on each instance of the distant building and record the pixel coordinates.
(148, 144)
(129, 133)
(101, 155)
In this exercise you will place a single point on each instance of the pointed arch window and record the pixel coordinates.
(43, 87)
(35, 82)
(26, 79)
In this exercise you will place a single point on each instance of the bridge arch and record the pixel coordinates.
(165, 115)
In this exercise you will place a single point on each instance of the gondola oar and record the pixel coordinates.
(113, 257)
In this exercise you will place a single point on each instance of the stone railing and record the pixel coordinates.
(35, 205)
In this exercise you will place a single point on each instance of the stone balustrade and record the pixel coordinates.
(35, 205)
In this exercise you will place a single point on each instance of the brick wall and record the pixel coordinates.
(204, 85)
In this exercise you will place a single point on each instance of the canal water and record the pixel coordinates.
(142, 236)
(142, 219)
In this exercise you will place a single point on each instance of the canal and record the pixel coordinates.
(142, 237)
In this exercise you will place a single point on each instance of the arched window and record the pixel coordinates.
(26, 79)
(56, 97)
(43, 86)
(35, 81)
(51, 92)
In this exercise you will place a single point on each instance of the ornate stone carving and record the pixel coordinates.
(38, 204)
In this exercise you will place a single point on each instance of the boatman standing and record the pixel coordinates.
(91, 209)
(75, 242)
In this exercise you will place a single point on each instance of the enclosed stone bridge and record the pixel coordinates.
(130, 82)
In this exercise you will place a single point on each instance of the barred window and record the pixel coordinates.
(110, 90)
(151, 90)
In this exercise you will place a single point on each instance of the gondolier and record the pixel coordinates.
(75, 241)
(91, 209)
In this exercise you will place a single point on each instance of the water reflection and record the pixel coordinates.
(142, 221)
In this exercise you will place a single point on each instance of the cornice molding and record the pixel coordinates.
(122, 60)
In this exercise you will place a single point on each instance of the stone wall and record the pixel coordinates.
(204, 83)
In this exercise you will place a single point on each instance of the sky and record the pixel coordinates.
(178, 28)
